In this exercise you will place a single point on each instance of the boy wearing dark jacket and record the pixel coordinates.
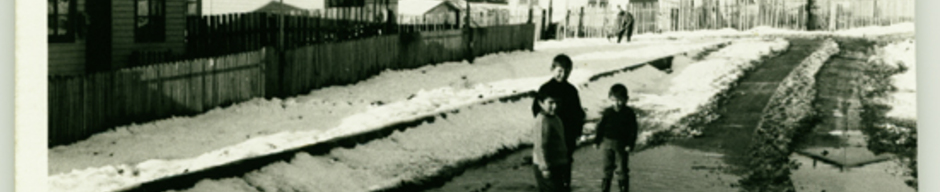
(616, 136)
(569, 108)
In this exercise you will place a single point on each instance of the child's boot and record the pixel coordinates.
(605, 185)
(624, 185)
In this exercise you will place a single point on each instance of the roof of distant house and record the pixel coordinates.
(277, 7)
(420, 7)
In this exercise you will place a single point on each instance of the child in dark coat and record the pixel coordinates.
(549, 153)
(569, 106)
(616, 137)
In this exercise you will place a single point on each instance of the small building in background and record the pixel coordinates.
(428, 12)
(217, 7)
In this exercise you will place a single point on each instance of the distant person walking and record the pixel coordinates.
(627, 26)
(623, 24)
(617, 24)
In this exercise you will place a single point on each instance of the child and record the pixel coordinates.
(616, 136)
(569, 108)
(550, 154)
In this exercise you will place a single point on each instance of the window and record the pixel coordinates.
(192, 7)
(150, 21)
(61, 21)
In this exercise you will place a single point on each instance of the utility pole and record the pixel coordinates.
(810, 19)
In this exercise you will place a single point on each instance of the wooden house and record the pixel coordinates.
(90, 36)
(217, 7)
(428, 12)
(66, 36)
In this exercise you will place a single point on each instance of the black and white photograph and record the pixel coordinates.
(480, 96)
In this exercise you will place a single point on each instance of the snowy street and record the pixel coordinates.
(428, 151)
(460, 96)
(266, 126)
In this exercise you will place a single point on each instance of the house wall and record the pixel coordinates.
(123, 31)
(68, 58)
(442, 14)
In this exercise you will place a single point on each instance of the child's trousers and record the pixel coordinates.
(612, 151)
(555, 180)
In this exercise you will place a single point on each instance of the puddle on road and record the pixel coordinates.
(876, 177)
(666, 168)
(829, 141)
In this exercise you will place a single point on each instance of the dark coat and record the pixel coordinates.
(568, 109)
(618, 125)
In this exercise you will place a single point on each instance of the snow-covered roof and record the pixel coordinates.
(213, 7)
(277, 7)
(420, 7)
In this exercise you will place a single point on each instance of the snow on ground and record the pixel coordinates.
(414, 153)
(291, 129)
(871, 31)
(452, 139)
(903, 101)
(701, 83)
(138, 153)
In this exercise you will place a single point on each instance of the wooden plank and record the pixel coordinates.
(55, 109)
(90, 107)
(309, 69)
(190, 87)
(242, 77)
(231, 92)
(148, 108)
(219, 82)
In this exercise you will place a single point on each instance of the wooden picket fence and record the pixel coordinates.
(214, 35)
(502, 38)
(149, 57)
(321, 65)
(782, 14)
(81, 106)
(84, 105)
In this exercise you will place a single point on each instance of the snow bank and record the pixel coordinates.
(423, 103)
(697, 88)
(903, 102)
(782, 120)
(406, 157)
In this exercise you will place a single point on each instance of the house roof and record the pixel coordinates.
(277, 7)
(213, 7)
(420, 7)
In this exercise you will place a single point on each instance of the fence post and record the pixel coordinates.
(567, 23)
(544, 28)
(531, 14)
(469, 34)
(580, 23)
